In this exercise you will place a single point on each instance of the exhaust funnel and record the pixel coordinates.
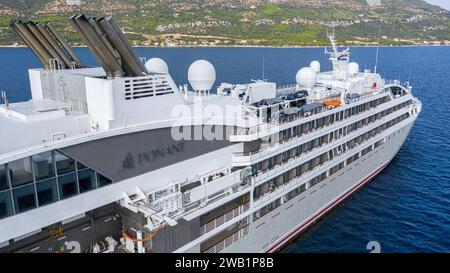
(125, 41)
(46, 44)
(128, 61)
(59, 39)
(97, 46)
(29, 39)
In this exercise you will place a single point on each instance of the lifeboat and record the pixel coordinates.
(332, 103)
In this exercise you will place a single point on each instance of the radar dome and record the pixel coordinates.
(315, 65)
(157, 65)
(201, 75)
(353, 68)
(306, 77)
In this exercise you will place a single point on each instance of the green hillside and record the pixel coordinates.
(250, 22)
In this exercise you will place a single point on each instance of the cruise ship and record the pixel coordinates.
(120, 158)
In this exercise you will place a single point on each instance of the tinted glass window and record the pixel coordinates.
(43, 166)
(3, 180)
(86, 180)
(67, 185)
(5, 204)
(20, 172)
(46, 191)
(24, 198)
(102, 180)
(80, 166)
(63, 163)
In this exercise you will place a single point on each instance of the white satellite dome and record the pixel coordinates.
(201, 75)
(306, 77)
(315, 65)
(157, 65)
(353, 68)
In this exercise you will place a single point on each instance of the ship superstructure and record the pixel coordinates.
(120, 158)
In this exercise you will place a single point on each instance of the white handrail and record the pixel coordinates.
(224, 218)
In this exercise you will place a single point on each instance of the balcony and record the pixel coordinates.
(245, 159)
(248, 134)
(229, 240)
(224, 218)
(306, 176)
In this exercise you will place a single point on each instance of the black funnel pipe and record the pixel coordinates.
(34, 44)
(128, 61)
(74, 24)
(17, 31)
(53, 53)
(126, 44)
(62, 55)
(74, 58)
(96, 45)
(101, 35)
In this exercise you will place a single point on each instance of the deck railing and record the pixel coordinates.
(309, 174)
(294, 117)
(224, 218)
(228, 240)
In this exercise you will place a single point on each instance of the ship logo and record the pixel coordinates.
(132, 161)
(128, 162)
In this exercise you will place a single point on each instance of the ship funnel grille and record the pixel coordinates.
(149, 86)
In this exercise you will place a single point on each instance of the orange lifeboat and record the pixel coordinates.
(332, 103)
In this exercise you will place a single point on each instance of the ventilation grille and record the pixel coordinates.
(147, 87)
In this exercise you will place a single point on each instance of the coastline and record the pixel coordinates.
(249, 46)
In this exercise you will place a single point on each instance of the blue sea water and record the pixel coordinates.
(406, 208)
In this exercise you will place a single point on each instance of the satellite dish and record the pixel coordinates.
(157, 65)
(315, 65)
(306, 77)
(201, 75)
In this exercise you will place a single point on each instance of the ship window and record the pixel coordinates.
(46, 191)
(24, 198)
(80, 166)
(318, 123)
(67, 185)
(64, 164)
(86, 180)
(43, 166)
(102, 180)
(20, 172)
(3, 178)
(270, 163)
(295, 131)
(5, 204)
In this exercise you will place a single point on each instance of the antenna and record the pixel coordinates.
(5, 99)
(263, 68)
(378, 49)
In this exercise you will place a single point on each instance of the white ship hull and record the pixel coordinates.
(272, 231)
(123, 154)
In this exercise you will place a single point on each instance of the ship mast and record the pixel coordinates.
(339, 59)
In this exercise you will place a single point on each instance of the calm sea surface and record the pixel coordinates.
(406, 208)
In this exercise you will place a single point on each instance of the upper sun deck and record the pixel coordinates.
(36, 122)
(90, 103)
(85, 103)
(37, 110)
